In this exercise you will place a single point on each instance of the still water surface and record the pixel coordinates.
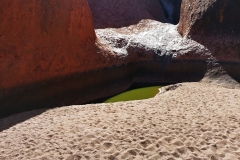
(135, 94)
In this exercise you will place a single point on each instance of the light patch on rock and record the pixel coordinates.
(150, 36)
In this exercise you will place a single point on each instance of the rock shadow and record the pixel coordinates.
(171, 10)
(8, 122)
(123, 13)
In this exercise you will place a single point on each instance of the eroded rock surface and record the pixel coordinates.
(40, 40)
(177, 59)
(210, 17)
(214, 24)
(151, 37)
(122, 13)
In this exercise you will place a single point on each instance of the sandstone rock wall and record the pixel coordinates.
(216, 25)
(43, 46)
(40, 40)
(210, 17)
(120, 13)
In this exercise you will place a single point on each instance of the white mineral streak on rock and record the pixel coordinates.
(149, 36)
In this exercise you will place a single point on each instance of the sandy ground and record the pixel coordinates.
(189, 121)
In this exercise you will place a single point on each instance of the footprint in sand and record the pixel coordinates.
(107, 145)
(74, 157)
(145, 143)
(129, 153)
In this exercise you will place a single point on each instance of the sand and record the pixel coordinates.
(185, 121)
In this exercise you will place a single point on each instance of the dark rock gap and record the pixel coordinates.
(171, 10)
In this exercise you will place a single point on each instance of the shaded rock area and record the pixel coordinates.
(50, 55)
(215, 25)
(116, 13)
(171, 9)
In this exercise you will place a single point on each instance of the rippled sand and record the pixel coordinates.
(185, 121)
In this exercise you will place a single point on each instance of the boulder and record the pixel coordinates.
(42, 43)
(158, 50)
(122, 13)
(215, 25)
(210, 17)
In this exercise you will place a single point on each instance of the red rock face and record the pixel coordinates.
(209, 17)
(40, 40)
(121, 13)
(216, 25)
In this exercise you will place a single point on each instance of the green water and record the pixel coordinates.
(135, 94)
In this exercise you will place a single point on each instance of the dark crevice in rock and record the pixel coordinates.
(171, 10)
